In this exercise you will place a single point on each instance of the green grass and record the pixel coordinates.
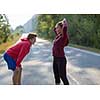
(85, 48)
(5, 46)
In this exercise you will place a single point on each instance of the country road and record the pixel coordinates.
(83, 67)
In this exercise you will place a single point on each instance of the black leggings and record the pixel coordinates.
(59, 69)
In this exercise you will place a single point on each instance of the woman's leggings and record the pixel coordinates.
(59, 69)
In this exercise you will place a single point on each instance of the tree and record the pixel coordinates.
(4, 28)
(83, 29)
(19, 29)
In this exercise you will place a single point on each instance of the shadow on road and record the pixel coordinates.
(83, 60)
(37, 66)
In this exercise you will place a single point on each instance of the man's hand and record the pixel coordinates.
(18, 69)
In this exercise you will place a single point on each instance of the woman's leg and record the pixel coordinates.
(56, 72)
(62, 70)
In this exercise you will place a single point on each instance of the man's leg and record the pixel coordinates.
(17, 76)
(56, 72)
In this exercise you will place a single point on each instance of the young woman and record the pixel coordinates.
(59, 60)
(14, 56)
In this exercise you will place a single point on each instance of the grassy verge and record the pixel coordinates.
(85, 48)
(5, 46)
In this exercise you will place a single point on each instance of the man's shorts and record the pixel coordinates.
(10, 62)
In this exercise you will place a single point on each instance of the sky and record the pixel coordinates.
(18, 19)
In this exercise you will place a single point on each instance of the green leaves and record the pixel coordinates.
(4, 28)
(19, 29)
(83, 29)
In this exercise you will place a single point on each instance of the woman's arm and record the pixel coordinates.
(65, 27)
(64, 39)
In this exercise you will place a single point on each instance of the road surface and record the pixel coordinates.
(83, 67)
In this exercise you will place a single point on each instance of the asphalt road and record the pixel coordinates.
(82, 67)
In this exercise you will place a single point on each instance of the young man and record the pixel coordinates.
(14, 56)
(59, 60)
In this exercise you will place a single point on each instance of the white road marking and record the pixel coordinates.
(73, 79)
(85, 51)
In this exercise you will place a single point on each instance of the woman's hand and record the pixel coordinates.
(64, 22)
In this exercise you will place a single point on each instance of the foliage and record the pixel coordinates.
(19, 29)
(83, 29)
(4, 28)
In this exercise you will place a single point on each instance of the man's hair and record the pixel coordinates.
(31, 36)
